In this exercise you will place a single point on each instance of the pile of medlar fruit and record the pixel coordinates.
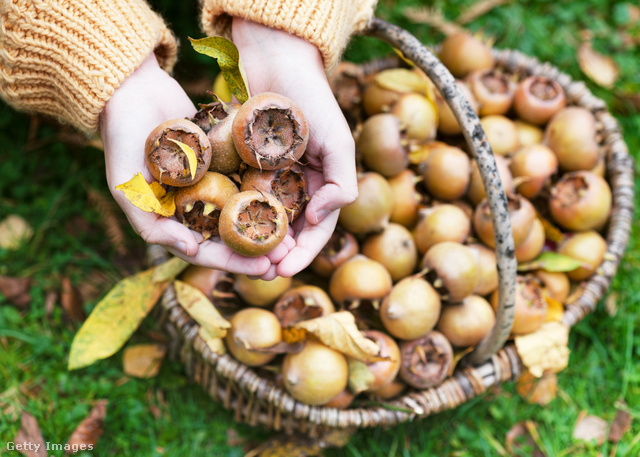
(412, 258)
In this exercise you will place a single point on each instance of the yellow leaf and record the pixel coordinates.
(200, 308)
(339, 332)
(115, 318)
(601, 69)
(401, 80)
(221, 90)
(555, 309)
(191, 156)
(545, 349)
(551, 232)
(151, 198)
(538, 391)
(214, 343)
(143, 360)
(169, 270)
(226, 53)
(360, 377)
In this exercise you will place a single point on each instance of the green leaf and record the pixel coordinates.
(360, 377)
(552, 262)
(191, 156)
(226, 53)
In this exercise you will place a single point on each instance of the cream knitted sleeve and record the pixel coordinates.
(65, 58)
(326, 23)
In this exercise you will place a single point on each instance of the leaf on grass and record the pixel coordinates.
(555, 309)
(152, 198)
(477, 9)
(611, 304)
(360, 377)
(228, 57)
(590, 428)
(539, 391)
(620, 425)
(301, 445)
(14, 230)
(115, 318)
(339, 332)
(191, 156)
(16, 290)
(214, 343)
(434, 18)
(200, 308)
(89, 431)
(169, 270)
(545, 349)
(521, 439)
(143, 360)
(599, 68)
(71, 301)
(552, 262)
(30, 437)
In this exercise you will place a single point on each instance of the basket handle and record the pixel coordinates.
(477, 141)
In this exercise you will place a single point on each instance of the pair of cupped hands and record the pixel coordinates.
(274, 61)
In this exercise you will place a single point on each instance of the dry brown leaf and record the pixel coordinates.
(300, 445)
(16, 290)
(478, 9)
(538, 390)
(599, 68)
(200, 308)
(89, 431)
(29, 441)
(71, 301)
(620, 425)
(11, 403)
(143, 360)
(50, 301)
(590, 428)
(433, 17)
(521, 438)
(339, 332)
(545, 349)
(14, 230)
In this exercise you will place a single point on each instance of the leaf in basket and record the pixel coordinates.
(599, 68)
(552, 262)
(228, 57)
(115, 318)
(339, 332)
(281, 348)
(538, 391)
(200, 308)
(401, 80)
(457, 357)
(169, 270)
(214, 343)
(419, 153)
(191, 156)
(143, 360)
(551, 232)
(545, 349)
(360, 377)
(152, 198)
(555, 309)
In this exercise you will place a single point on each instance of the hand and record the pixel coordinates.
(144, 100)
(276, 61)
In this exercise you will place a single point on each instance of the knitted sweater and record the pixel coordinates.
(65, 58)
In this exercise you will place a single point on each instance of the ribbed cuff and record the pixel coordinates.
(66, 58)
(328, 24)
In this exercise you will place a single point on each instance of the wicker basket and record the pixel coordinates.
(259, 401)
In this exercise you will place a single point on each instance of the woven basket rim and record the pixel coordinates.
(252, 392)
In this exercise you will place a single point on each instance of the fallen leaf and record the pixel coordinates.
(71, 301)
(29, 437)
(551, 232)
(611, 304)
(143, 360)
(201, 309)
(621, 424)
(433, 17)
(169, 270)
(599, 68)
(214, 343)
(234, 438)
(50, 301)
(520, 439)
(16, 290)
(299, 445)
(11, 403)
(555, 309)
(545, 349)
(590, 428)
(552, 262)
(339, 332)
(191, 156)
(401, 80)
(14, 230)
(478, 9)
(152, 198)
(228, 57)
(360, 377)
(539, 391)
(89, 431)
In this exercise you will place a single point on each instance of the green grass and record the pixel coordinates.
(169, 415)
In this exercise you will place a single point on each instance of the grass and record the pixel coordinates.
(47, 182)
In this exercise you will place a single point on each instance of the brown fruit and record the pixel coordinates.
(302, 303)
(289, 186)
(198, 207)
(381, 145)
(522, 215)
(202, 278)
(453, 270)
(528, 134)
(466, 323)
(530, 307)
(476, 190)
(441, 223)
(253, 223)
(341, 247)
(493, 89)
(384, 371)
(411, 310)
(270, 132)
(461, 53)
(534, 166)
(501, 133)
(588, 247)
(571, 135)
(316, 374)
(388, 85)
(224, 157)
(417, 115)
(487, 269)
(372, 209)
(446, 172)
(359, 278)
(406, 199)
(391, 390)
(447, 122)
(426, 361)
(253, 328)
(165, 158)
(581, 201)
(346, 84)
(341, 401)
(533, 244)
(538, 98)
(394, 248)
(556, 283)
(258, 292)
